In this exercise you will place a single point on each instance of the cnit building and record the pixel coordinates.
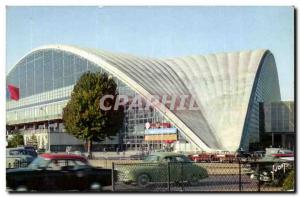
(228, 88)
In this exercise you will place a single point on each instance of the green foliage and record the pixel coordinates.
(289, 183)
(82, 115)
(15, 141)
(33, 141)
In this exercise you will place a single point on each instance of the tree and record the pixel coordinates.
(82, 115)
(33, 141)
(15, 141)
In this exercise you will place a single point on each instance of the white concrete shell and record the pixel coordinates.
(224, 86)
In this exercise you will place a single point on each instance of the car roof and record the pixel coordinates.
(17, 148)
(63, 156)
(164, 154)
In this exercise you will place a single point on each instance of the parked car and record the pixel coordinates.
(280, 153)
(19, 157)
(244, 156)
(156, 166)
(259, 154)
(202, 157)
(272, 171)
(57, 172)
(30, 148)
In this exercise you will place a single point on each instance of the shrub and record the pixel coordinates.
(289, 183)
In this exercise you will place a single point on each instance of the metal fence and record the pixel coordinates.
(200, 177)
(17, 164)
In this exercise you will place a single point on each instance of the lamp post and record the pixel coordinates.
(49, 135)
(135, 139)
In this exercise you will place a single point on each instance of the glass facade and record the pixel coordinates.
(279, 117)
(265, 90)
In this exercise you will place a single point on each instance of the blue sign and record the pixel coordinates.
(161, 131)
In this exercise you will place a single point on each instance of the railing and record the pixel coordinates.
(17, 164)
(200, 177)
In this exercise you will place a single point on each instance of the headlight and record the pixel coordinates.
(125, 172)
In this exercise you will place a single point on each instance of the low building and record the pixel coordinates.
(279, 123)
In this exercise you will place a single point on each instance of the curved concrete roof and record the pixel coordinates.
(221, 84)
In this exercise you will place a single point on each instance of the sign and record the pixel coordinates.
(164, 138)
(169, 141)
(160, 125)
(161, 131)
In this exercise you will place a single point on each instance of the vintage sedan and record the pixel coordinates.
(19, 157)
(58, 172)
(161, 167)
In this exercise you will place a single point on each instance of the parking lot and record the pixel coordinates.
(170, 176)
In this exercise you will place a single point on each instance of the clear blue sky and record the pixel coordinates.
(158, 32)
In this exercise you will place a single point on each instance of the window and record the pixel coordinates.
(169, 159)
(151, 158)
(56, 165)
(75, 164)
(181, 159)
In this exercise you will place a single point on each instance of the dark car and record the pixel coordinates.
(58, 172)
(244, 156)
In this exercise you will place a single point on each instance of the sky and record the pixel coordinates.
(157, 32)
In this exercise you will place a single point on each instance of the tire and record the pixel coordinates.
(95, 187)
(143, 180)
(21, 188)
(193, 180)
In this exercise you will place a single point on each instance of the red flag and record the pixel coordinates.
(13, 92)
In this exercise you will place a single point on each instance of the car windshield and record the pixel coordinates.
(151, 158)
(182, 159)
(39, 162)
(285, 152)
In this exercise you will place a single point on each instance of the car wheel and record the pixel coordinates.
(95, 186)
(22, 188)
(143, 180)
(194, 180)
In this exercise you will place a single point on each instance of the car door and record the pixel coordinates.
(184, 168)
(55, 176)
(173, 166)
(79, 175)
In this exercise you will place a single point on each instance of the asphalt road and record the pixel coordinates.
(214, 183)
